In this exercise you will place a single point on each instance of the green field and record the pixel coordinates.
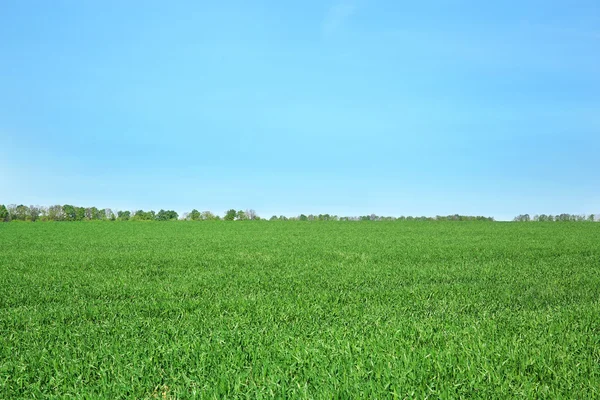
(299, 309)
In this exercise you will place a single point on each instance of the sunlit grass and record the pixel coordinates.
(259, 309)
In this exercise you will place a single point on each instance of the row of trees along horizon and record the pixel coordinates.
(557, 218)
(68, 212)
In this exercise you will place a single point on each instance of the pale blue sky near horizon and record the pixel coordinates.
(347, 107)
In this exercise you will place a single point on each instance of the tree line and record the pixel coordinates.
(68, 212)
(557, 218)
(374, 217)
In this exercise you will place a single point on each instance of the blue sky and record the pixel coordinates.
(345, 107)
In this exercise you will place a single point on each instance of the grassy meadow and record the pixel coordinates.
(299, 310)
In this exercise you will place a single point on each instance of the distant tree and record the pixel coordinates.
(123, 215)
(43, 213)
(141, 215)
(273, 218)
(34, 213)
(97, 214)
(69, 211)
(56, 213)
(251, 214)
(208, 216)
(522, 218)
(230, 215)
(240, 215)
(12, 211)
(21, 213)
(109, 214)
(331, 217)
(4, 216)
(303, 217)
(166, 215)
(195, 215)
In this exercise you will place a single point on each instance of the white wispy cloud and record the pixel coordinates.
(337, 15)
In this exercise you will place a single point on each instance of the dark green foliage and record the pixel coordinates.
(195, 215)
(79, 213)
(123, 215)
(70, 213)
(141, 215)
(4, 217)
(230, 215)
(327, 217)
(300, 310)
(166, 215)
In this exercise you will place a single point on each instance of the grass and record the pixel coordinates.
(303, 310)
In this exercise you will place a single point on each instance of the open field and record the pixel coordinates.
(297, 309)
